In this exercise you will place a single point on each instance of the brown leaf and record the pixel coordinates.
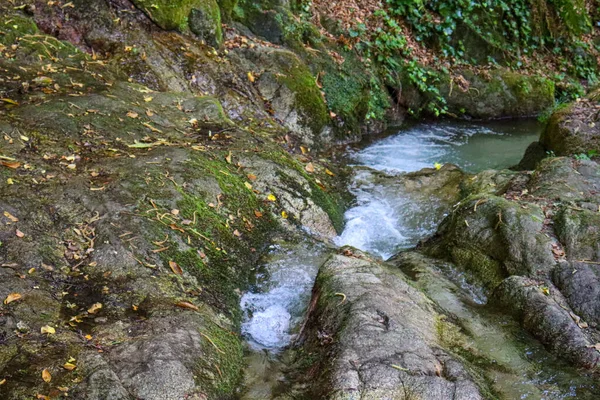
(12, 297)
(19, 233)
(175, 268)
(11, 164)
(46, 376)
(310, 168)
(258, 214)
(252, 177)
(237, 233)
(188, 305)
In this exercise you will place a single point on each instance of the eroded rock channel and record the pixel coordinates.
(401, 314)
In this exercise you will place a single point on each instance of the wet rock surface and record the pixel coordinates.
(373, 335)
(532, 242)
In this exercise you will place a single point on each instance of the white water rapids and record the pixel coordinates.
(382, 221)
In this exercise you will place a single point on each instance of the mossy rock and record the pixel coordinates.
(493, 238)
(574, 129)
(202, 17)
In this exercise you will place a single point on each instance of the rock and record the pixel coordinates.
(574, 129)
(548, 317)
(579, 282)
(289, 87)
(493, 238)
(201, 16)
(579, 232)
(566, 179)
(499, 93)
(205, 22)
(373, 335)
(534, 153)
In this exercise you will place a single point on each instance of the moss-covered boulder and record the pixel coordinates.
(202, 17)
(291, 92)
(574, 129)
(494, 238)
(495, 93)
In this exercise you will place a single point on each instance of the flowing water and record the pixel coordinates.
(383, 221)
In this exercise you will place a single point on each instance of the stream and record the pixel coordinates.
(383, 221)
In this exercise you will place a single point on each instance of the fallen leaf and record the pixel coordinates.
(437, 166)
(11, 217)
(228, 158)
(12, 297)
(2, 382)
(95, 308)
(272, 197)
(310, 168)
(237, 233)
(284, 214)
(188, 305)
(10, 181)
(175, 212)
(132, 114)
(19, 233)
(148, 99)
(69, 367)
(48, 330)
(328, 172)
(304, 150)
(251, 77)
(258, 214)
(251, 177)
(46, 376)
(9, 101)
(11, 164)
(175, 268)
(248, 185)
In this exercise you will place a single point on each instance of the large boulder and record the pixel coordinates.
(574, 129)
(370, 334)
(202, 17)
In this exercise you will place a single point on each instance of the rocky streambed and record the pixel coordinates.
(419, 324)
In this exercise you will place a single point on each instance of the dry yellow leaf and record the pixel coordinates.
(310, 168)
(328, 172)
(148, 99)
(95, 308)
(12, 297)
(48, 330)
(251, 77)
(69, 367)
(46, 376)
(284, 214)
(228, 158)
(132, 114)
(272, 197)
(11, 217)
(2, 382)
(304, 150)
(248, 185)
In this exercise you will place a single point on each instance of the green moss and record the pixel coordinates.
(174, 15)
(308, 98)
(484, 268)
(15, 27)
